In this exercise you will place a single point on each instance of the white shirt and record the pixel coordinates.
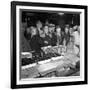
(76, 38)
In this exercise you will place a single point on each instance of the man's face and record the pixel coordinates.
(66, 29)
(51, 29)
(58, 30)
(46, 29)
(71, 30)
(75, 27)
(33, 30)
(39, 24)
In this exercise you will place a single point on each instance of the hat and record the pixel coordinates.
(51, 25)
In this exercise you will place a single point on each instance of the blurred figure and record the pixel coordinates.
(46, 31)
(76, 35)
(46, 22)
(51, 28)
(70, 30)
(33, 31)
(66, 35)
(27, 33)
(47, 40)
(35, 41)
(70, 46)
(40, 28)
(52, 34)
(39, 25)
(71, 34)
(59, 35)
(78, 29)
(25, 37)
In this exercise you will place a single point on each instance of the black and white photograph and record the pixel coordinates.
(50, 42)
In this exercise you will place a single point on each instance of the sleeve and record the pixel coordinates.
(40, 41)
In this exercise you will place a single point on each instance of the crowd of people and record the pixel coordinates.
(41, 35)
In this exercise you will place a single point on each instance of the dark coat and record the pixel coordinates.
(53, 39)
(67, 38)
(48, 39)
(36, 43)
(60, 38)
(27, 35)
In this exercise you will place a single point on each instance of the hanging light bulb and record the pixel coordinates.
(61, 14)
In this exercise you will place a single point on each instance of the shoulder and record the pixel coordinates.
(74, 33)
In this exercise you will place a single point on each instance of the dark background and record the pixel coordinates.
(55, 18)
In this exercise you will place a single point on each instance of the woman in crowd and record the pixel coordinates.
(70, 46)
(52, 34)
(47, 39)
(76, 35)
(66, 36)
(39, 26)
(59, 35)
(71, 34)
(35, 41)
